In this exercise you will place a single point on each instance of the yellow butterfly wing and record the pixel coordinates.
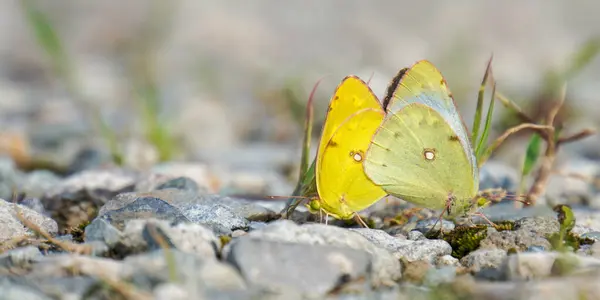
(353, 116)
(422, 153)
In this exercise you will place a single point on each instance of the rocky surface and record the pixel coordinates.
(148, 235)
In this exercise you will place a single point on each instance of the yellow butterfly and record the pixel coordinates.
(353, 116)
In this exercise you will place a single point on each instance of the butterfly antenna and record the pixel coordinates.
(286, 197)
(499, 194)
(371, 77)
(440, 218)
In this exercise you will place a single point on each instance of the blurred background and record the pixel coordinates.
(225, 83)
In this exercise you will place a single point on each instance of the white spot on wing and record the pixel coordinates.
(429, 155)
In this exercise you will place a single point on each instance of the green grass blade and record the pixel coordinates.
(49, 40)
(308, 126)
(479, 109)
(531, 154)
(46, 36)
(307, 176)
(585, 54)
(481, 145)
(148, 97)
(309, 182)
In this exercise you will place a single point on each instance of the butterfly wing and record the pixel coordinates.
(416, 156)
(423, 83)
(353, 116)
(422, 152)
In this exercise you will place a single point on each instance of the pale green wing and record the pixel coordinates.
(416, 156)
(423, 83)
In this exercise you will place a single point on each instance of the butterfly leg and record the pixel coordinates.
(360, 221)
(320, 216)
(481, 215)
(446, 209)
(439, 220)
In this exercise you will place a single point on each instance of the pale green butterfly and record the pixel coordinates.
(422, 153)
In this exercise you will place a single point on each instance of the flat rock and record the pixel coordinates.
(308, 269)
(19, 257)
(19, 290)
(411, 250)
(137, 236)
(386, 268)
(519, 240)
(222, 214)
(148, 269)
(11, 227)
(100, 179)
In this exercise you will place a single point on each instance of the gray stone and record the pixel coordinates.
(519, 240)
(436, 276)
(11, 290)
(101, 230)
(572, 190)
(559, 288)
(11, 227)
(386, 269)
(484, 258)
(34, 204)
(506, 211)
(142, 208)
(529, 265)
(64, 265)
(256, 182)
(415, 235)
(137, 237)
(172, 291)
(588, 218)
(220, 218)
(90, 158)
(36, 183)
(223, 214)
(426, 225)
(76, 287)
(583, 230)
(446, 260)
(104, 179)
(148, 269)
(320, 269)
(180, 183)
(97, 248)
(426, 250)
(197, 172)
(540, 225)
(495, 174)
(537, 265)
(19, 257)
(10, 177)
(535, 249)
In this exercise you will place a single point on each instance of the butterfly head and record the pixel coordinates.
(317, 206)
(458, 207)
